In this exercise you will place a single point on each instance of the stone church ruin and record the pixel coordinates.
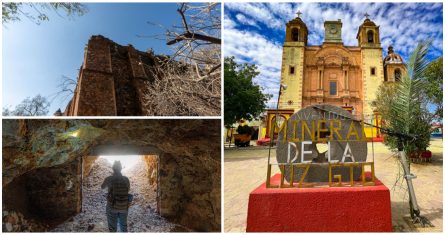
(117, 80)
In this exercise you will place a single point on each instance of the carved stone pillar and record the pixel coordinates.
(345, 69)
(320, 74)
(320, 80)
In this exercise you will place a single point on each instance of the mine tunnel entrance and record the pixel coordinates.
(141, 171)
(69, 198)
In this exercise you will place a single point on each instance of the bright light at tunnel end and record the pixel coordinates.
(127, 161)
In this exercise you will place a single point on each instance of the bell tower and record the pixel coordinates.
(293, 64)
(368, 37)
(296, 30)
(368, 34)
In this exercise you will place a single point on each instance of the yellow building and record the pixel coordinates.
(334, 73)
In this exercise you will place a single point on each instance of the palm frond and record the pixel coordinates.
(409, 91)
(418, 62)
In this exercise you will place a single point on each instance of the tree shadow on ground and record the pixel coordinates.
(401, 221)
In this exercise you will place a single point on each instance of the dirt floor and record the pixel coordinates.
(245, 169)
(141, 217)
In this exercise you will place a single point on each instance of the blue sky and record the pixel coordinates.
(254, 32)
(36, 56)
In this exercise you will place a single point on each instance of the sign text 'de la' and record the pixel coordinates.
(299, 157)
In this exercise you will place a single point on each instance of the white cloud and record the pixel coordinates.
(258, 12)
(253, 48)
(229, 23)
(246, 21)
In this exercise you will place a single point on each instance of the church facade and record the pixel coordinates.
(334, 73)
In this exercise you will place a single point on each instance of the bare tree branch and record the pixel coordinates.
(191, 36)
(195, 89)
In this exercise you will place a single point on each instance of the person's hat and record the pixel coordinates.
(117, 166)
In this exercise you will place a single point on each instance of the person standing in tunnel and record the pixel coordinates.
(117, 199)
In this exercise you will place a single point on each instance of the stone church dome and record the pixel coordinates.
(392, 57)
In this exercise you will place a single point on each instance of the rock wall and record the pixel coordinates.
(152, 168)
(51, 151)
(41, 197)
(15, 222)
(187, 197)
(88, 162)
(32, 144)
(55, 193)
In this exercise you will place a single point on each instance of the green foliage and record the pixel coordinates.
(14, 11)
(434, 89)
(403, 104)
(242, 98)
(10, 12)
(36, 106)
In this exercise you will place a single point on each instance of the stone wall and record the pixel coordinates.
(111, 80)
(94, 94)
(116, 80)
(371, 58)
(293, 56)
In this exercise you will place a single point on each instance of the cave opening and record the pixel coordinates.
(143, 215)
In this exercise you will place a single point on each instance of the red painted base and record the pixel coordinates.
(377, 139)
(328, 209)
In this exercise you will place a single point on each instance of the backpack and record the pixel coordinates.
(118, 195)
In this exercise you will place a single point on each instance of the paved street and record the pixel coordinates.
(245, 169)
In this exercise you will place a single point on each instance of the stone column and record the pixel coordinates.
(346, 80)
(320, 74)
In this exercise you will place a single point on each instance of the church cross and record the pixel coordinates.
(299, 13)
(367, 15)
